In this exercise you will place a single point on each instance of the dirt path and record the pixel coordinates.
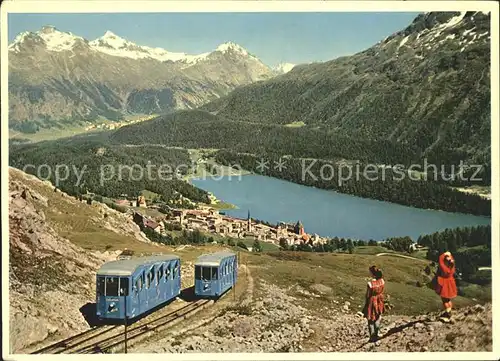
(249, 278)
(400, 255)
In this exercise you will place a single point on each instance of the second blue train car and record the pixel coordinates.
(215, 274)
(141, 283)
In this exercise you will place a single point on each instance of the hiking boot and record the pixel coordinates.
(444, 319)
(445, 314)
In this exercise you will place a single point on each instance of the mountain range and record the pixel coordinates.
(57, 76)
(425, 88)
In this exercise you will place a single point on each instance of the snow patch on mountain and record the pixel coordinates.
(114, 45)
(283, 68)
(454, 20)
(20, 38)
(403, 42)
(58, 40)
(455, 30)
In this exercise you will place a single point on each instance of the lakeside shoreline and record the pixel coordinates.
(247, 173)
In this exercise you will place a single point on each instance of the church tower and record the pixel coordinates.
(249, 222)
(299, 228)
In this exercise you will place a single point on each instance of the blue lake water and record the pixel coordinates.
(328, 213)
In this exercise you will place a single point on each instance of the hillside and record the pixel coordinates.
(423, 92)
(214, 131)
(56, 76)
(426, 86)
(55, 245)
(286, 301)
(109, 170)
(302, 302)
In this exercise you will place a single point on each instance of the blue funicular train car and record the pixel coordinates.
(215, 273)
(141, 283)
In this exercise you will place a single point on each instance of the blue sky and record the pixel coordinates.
(273, 37)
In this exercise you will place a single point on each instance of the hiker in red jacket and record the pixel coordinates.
(444, 283)
(374, 303)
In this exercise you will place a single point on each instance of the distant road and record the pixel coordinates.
(484, 268)
(420, 259)
(400, 255)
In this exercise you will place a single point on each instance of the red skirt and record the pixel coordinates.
(375, 307)
(446, 287)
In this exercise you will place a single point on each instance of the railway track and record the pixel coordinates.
(85, 342)
(136, 331)
(74, 341)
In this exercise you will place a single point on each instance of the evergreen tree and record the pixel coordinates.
(350, 245)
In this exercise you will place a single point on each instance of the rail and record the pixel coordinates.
(139, 330)
(71, 344)
(75, 340)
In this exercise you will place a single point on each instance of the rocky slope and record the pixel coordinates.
(51, 294)
(426, 86)
(50, 278)
(47, 274)
(278, 323)
(56, 76)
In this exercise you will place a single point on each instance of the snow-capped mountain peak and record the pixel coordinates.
(112, 44)
(58, 40)
(54, 39)
(230, 46)
(48, 29)
(109, 34)
(110, 40)
(283, 68)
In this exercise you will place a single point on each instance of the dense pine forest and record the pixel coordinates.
(199, 129)
(471, 247)
(383, 184)
(109, 170)
(104, 164)
(275, 140)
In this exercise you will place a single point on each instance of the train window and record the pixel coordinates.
(160, 273)
(169, 272)
(150, 277)
(100, 286)
(111, 286)
(227, 269)
(176, 270)
(205, 273)
(215, 271)
(123, 286)
(138, 284)
(197, 272)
